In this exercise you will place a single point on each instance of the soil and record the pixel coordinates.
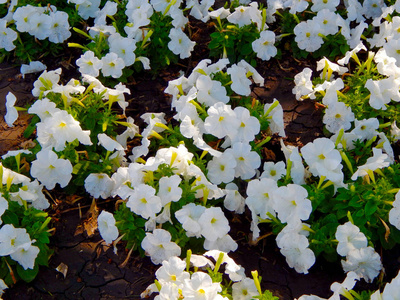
(94, 271)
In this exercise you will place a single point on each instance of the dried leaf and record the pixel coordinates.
(387, 233)
(63, 269)
(90, 224)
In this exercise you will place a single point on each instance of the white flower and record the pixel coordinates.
(213, 223)
(12, 238)
(107, 228)
(338, 115)
(44, 108)
(99, 185)
(379, 160)
(291, 203)
(275, 117)
(109, 143)
(173, 271)
(392, 290)
(322, 157)
(159, 247)
(249, 126)
(231, 266)
(10, 177)
(365, 262)
(247, 161)
(50, 170)
(22, 16)
(306, 36)
(210, 91)
(123, 47)
(273, 171)
(366, 128)
(244, 289)
(89, 64)
(40, 24)
(3, 206)
(324, 4)
(328, 68)
(349, 237)
(225, 244)
(46, 82)
(61, 128)
(240, 83)
(260, 196)
(241, 16)
(222, 168)
(32, 193)
(33, 67)
(264, 46)
(303, 83)
(189, 216)
(3, 286)
(12, 113)
(327, 20)
(382, 92)
(7, 36)
(221, 120)
(233, 201)
(169, 189)
(59, 27)
(144, 202)
(112, 65)
(298, 255)
(200, 286)
(179, 43)
(26, 255)
(344, 287)
(394, 213)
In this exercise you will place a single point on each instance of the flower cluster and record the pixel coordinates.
(176, 280)
(23, 224)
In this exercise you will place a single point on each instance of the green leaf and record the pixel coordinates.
(370, 208)
(10, 218)
(27, 275)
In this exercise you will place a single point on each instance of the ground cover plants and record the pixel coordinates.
(176, 180)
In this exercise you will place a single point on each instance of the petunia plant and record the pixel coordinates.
(24, 226)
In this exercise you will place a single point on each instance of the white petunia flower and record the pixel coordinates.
(200, 286)
(179, 43)
(107, 228)
(291, 203)
(244, 289)
(143, 201)
(112, 65)
(273, 171)
(365, 262)
(50, 170)
(213, 224)
(221, 120)
(264, 46)
(379, 160)
(12, 113)
(89, 64)
(169, 190)
(349, 237)
(99, 185)
(159, 247)
(189, 216)
(108, 143)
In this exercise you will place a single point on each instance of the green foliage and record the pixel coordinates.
(36, 223)
(131, 227)
(234, 42)
(156, 48)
